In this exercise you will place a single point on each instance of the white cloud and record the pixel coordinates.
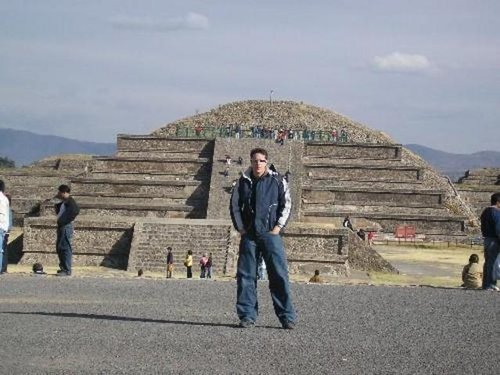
(401, 62)
(190, 21)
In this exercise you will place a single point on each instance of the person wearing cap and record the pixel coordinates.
(260, 208)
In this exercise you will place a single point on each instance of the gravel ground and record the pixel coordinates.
(113, 326)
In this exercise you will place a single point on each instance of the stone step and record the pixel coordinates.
(353, 150)
(107, 200)
(173, 211)
(25, 206)
(200, 166)
(476, 196)
(168, 155)
(328, 161)
(370, 196)
(354, 172)
(479, 181)
(368, 208)
(367, 185)
(34, 179)
(139, 188)
(444, 224)
(32, 192)
(126, 142)
(150, 176)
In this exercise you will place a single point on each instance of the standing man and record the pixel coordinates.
(490, 228)
(4, 218)
(66, 211)
(260, 208)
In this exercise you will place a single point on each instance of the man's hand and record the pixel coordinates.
(243, 232)
(276, 229)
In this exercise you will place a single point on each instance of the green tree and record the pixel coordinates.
(5, 162)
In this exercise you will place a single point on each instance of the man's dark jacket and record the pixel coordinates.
(257, 206)
(71, 211)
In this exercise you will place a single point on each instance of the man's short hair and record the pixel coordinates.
(64, 189)
(316, 272)
(2, 186)
(258, 150)
(495, 198)
(474, 258)
(169, 248)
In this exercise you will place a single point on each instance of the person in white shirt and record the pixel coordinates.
(4, 218)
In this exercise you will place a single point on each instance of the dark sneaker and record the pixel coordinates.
(286, 324)
(63, 273)
(246, 323)
(59, 271)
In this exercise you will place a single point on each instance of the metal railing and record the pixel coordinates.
(256, 133)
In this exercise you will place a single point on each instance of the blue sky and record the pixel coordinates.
(424, 71)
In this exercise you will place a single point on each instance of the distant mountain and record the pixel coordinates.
(26, 147)
(454, 165)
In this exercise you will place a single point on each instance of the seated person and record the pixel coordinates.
(361, 234)
(316, 278)
(472, 274)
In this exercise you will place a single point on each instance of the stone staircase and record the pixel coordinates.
(375, 187)
(148, 177)
(477, 186)
(31, 186)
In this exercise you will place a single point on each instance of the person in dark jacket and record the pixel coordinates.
(170, 262)
(66, 211)
(260, 208)
(490, 229)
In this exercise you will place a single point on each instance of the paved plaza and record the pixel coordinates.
(114, 326)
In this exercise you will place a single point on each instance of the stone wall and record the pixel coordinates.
(152, 237)
(97, 242)
(353, 150)
(363, 257)
(350, 195)
(316, 247)
(152, 144)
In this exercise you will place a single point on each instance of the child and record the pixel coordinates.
(170, 263)
(316, 278)
(472, 274)
(203, 266)
(188, 263)
(209, 266)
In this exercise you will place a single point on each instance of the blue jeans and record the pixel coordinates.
(63, 247)
(491, 250)
(2, 239)
(272, 249)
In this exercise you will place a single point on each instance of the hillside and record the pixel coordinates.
(26, 147)
(454, 165)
